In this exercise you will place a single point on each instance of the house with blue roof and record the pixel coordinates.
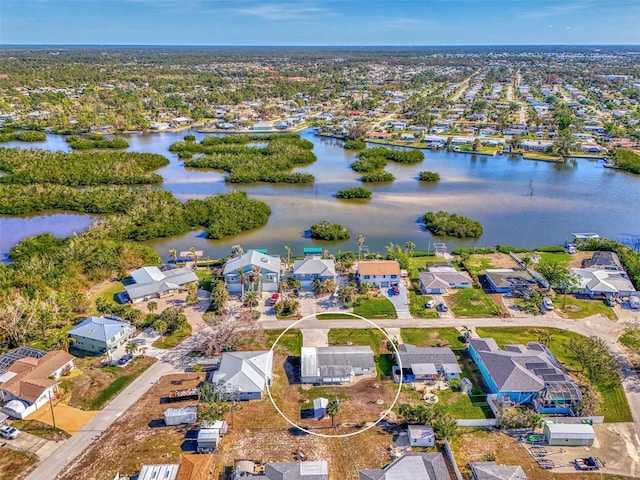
(100, 334)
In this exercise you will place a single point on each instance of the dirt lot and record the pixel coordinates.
(14, 464)
(137, 437)
(578, 257)
(476, 445)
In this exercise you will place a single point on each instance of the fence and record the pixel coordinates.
(449, 453)
(594, 419)
(480, 422)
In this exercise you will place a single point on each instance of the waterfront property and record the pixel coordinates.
(438, 278)
(429, 466)
(506, 280)
(29, 378)
(604, 260)
(252, 270)
(335, 365)
(100, 334)
(595, 282)
(425, 364)
(525, 375)
(243, 375)
(313, 268)
(153, 282)
(379, 273)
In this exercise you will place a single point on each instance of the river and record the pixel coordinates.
(519, 202)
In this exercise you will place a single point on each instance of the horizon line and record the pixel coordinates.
(4, 45)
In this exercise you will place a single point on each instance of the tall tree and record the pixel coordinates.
(333, 409)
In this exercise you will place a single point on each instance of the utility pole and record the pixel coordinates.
(53, 415)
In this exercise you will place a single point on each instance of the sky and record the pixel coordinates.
(320, 22)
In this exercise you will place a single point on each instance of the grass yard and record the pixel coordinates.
(334, 316)
(375, 307)
(472, 302)
(108, 292)
(291, 341)
(432, 337)
(170, 341)
(365, 336)
(40, 429)
(614, 402)
(478, 264)
(464, 406)
(418, 264)
(562, 258)
(577, 308)
(15, 464)
(417, 302)
(205, 278)
(631, 339)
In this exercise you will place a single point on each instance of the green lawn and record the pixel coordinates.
(464, 406)
(119, 383)
(472, 302)
(205, 278)
(375, 307)
(108, 292)
(563, 258)
(417, 303)
(335, 316)
(40, 429)
(614, 402)
(631, 339)
(291, 341)
(170, 341)
(418, 264)
(477, 265)
(357, 336)
(384, 364)
(577, 308)
(432, 337)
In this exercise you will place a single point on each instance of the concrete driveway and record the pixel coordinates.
(315, 337)
(30, 443)
(401, 301)
(69, 419)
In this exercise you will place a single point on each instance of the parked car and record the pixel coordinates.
(442, 307)
(125, 359)
(9, 432)
(274, 299)
(396, 289)
(430, 304)
(548, 304)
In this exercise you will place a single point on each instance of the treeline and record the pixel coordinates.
(353, 192)
(452, 224)
(249, 164)
(399, 156)
(7, 135)
(627, 160)
(23, 166)
(96, 141)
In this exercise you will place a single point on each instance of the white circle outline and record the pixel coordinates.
(342, 435)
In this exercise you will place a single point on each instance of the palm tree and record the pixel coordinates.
(243, 280)
(256, 275)
(237, 250)
(360, 242)
(410, 246)
(288, 250)
(174, 254)
(526, 261)
(152, 306)
(333, 408)
(251, 299)
(131, 348)
(194, 252)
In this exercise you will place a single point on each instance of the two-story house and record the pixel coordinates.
(380, 273)
(252, 270)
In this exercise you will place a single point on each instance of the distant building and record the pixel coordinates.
(153, 282)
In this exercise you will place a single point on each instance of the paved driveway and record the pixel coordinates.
(315, 337)
(39, 446)
(400, 302)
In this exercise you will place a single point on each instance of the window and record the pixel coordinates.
(394, 276)
(367, 277)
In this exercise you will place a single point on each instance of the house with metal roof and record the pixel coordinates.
(163, 471)
(153, 282)
(335, 365)
(100, 334)
(243, 375)
(596, 281)
(313, 268)
(414, 466)
(379, 273)
(29, 378)
(569, 434)
(306, 470)
(604, 260)
(421, 436)
(493, 471)
(425, 364)
(252, 270)
(505, 280)
(525, 375)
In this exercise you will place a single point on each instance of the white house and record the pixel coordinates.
(252, 270)
(152, 282)
(244, 374)
(380, 273)
(421, 436)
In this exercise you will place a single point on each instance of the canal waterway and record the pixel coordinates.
(519, 202)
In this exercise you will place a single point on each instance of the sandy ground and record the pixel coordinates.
(67, 418)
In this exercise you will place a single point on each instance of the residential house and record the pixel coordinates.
(493, 471)
(603, 260)
(537, 145)
(164, 471)
(153, 282)
(506, 280)
(252, 270)
(438, 278)
(335, 365)
(313, 267)
(380, 273)
(29, 378)
(100, 334)
(210, 434)
(414, 466)
(195, 467)
(596, 282)
(244, 374)
(421, 436)
(309, 470)
(525, 375)
(425, 364)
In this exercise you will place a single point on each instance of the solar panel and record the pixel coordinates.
(553, 377)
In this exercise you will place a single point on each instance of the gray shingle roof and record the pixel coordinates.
(438, 356)
(412, 466)
(314, 266)
(244, 371)
(492, 471)
(313, 470)
(152, 280)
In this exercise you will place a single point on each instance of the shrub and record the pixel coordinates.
(427, 176)
(354, 192)
(423, 254)
(399, 156)
(368, 164)
(377, 177)
(509, 249)
(452, 224)
(473, 250)
(354, 145)
(326, 230)
(550, 249)
(627, 160)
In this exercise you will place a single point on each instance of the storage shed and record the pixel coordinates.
(421, 436)
(320, 408)
(570, 434)
(178, 416)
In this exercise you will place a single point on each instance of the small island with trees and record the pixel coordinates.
(96, 141)
(452, 225)
(325, 230)
(427, 176)
(353, 192)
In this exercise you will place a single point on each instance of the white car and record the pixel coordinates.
(9, 432)
(430, 303)
(548, 304)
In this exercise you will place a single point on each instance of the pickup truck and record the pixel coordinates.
(274, 299)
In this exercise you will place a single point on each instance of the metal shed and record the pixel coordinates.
(570, 434)
(178, 416)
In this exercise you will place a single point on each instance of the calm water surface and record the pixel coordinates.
(519, 202)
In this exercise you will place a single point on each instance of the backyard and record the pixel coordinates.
(577, 308)
(614, 405)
